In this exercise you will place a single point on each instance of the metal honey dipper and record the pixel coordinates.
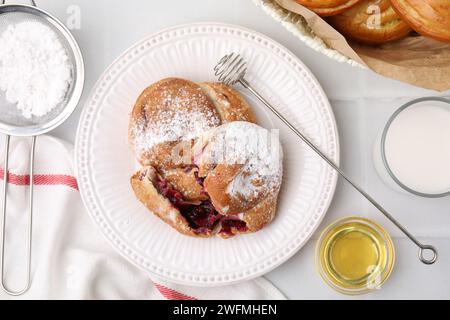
(231, 70)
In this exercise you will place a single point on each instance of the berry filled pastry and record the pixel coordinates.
(169, 114)
(207, 169)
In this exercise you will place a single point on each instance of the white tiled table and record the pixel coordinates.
(362, 102)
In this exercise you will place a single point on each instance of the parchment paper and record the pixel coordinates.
(416, 60)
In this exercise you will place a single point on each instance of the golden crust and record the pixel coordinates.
(328, 7)
(229, 103)
(186, 182)
(371, 22)
(143, 186)
(257, 217)
(216, 184)
(322, 3)
(430, 18)
(156, 111)
(261, 214)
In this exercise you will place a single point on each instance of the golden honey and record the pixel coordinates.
(355, 255)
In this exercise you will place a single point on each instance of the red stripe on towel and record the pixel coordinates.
(71, 182)
(41, 179)
(171, 294)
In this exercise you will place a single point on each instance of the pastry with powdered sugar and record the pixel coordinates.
(227, 178)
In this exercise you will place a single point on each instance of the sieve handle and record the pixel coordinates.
(30, 219)
(33, 3)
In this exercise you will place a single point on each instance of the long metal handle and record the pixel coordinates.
(422, 247)
(30, 217)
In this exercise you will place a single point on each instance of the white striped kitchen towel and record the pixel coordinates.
(71, 259)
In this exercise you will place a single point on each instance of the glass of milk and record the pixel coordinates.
(412, 154)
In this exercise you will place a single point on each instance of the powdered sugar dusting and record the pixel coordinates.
(258, 151)
(180, 116)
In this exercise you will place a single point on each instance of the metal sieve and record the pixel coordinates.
(13, 123)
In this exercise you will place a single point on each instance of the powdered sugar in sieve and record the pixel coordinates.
(35, 70)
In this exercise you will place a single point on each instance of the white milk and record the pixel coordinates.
(418, 147)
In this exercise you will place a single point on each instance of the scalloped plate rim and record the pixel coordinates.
(87, 107)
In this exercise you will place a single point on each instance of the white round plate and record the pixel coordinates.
(105, 161)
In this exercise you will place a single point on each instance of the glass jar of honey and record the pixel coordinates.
(355, 255)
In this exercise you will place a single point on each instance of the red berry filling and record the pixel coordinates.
(203, 217)
(229, 225)
(201, 182)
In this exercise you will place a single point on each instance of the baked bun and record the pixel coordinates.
(371, 22)
(430, 18)
(169, 114)
(326, 8)
(238, 193)
(176, 110)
